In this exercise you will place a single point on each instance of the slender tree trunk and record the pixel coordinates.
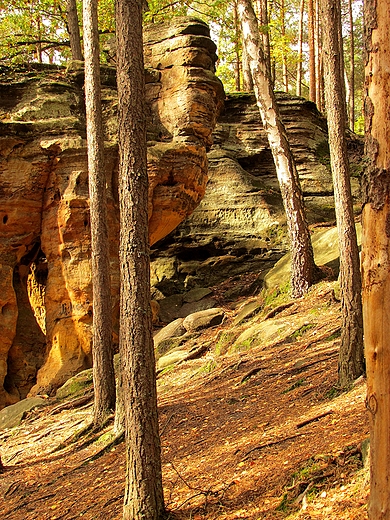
(300, 42)
(74, 30)
(352, 70)
(103, 367)
(302, 262)
(318, 57)
(265, 34)
(246, 72)
(376, 251)
(312, 57)
(284, 57)
(237, 63)
(143, 489)
(351, 357)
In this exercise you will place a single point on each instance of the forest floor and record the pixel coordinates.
(255, 431)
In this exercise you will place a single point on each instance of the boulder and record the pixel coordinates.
(203, 319)
(13, 414)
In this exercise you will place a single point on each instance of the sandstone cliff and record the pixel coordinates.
(45, 276)
(239, 227)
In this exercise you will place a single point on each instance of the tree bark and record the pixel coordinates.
(103, 367)
(143, 488)
(237, 63)
(351, 357)
(352, 70)
(376, 251)
(298, 89)
(312, 56)
(302, 260)
(284, 57)
(74, 30)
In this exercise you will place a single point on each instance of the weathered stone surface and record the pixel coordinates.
(203, 319)
(46, 292)
(172, 330)
(239, 226)
(12, 415)
(326, 253)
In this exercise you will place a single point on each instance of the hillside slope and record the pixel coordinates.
(254, 428)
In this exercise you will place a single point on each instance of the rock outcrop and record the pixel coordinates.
(45, 273)
(239, 227)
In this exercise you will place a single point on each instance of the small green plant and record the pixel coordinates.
(222, 345)
(295, 385)
(300, 332)
(276, 296)
(333, 392)
(244, 345)
(208, 367)
(167, 369)
(284, 504)
(334, 336)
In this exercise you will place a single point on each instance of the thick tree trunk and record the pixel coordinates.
(302, 260)
(376, 252)
(74, 30)
(351, 357)
(143, 489)
(103, 367)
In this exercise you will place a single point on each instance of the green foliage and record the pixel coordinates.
(223, 342)
(276, 296)
(300, 332)
(208, 367)
(32, 31)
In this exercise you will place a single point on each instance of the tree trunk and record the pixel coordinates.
(318, 57)
(284, 57)
(312, 56)
(237, 67)
(264, 33)
(300, 41)
(246, 72)
(376, 251)
(352, 70)
(302, 261)
(351, 357)
(143, 489)
(74, 30)
(103, 367)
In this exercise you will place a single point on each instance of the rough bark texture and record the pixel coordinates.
(351, 357)
(74, 30)
(143, 490)
(302, 262)
(312, 58)
(376, 252)
(102, 351)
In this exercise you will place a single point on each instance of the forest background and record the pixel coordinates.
(38, 31)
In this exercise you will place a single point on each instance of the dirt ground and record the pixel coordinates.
(258, 431)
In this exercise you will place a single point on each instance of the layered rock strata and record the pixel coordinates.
(45, 273)
(239, 227)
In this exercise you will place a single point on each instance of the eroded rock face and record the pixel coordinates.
(239, 227)
(45, 273)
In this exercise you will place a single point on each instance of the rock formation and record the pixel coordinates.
(45, 275)
(239, 227)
